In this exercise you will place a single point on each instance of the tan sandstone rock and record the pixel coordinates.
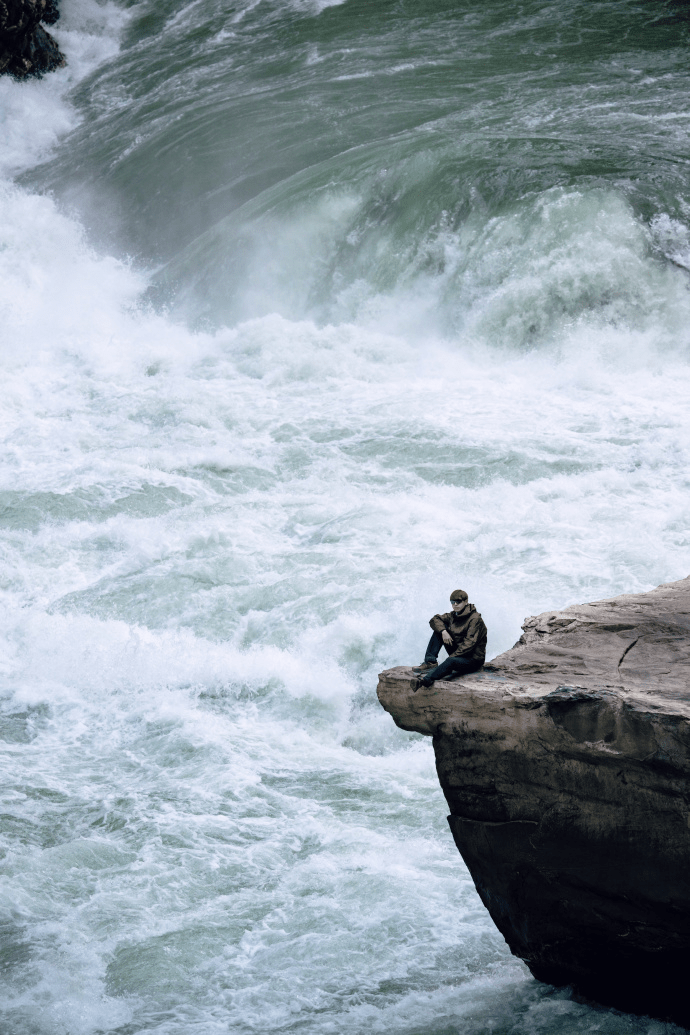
(566, 763)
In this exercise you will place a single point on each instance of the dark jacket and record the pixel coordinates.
(468, 631)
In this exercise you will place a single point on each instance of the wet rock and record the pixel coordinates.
(26, 49)
(566, 767)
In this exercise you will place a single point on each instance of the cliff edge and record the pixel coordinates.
(565, 763)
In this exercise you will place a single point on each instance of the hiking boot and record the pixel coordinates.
(425, 666)
(419, 683)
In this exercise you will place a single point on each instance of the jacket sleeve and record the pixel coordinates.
(473, 633)
(440, 622)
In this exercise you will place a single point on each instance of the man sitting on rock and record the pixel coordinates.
(463, 633)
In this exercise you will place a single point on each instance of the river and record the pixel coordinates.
(311, 312)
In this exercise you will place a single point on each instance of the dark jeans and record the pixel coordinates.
(451, 666)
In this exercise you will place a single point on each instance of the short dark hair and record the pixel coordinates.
(458, 594)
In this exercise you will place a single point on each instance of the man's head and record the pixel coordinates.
(458, 600)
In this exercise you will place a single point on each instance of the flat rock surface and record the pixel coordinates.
(639, 640)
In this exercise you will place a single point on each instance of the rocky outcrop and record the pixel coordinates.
(565, 763)
(26, 49)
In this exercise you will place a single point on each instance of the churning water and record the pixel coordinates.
(311, 312)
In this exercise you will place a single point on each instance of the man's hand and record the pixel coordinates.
(447, 638)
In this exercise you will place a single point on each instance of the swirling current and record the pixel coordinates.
(311, 312)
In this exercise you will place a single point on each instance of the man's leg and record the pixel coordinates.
(451, 666)
(433, 647)
(431, 656)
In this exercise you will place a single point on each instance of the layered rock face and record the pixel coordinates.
(566, 764)
(26, 49)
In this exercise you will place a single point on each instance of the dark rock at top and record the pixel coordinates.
(566, 767)
(26, 49)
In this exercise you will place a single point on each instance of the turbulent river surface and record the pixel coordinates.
(311, 312)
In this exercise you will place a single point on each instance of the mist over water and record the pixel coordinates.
(310, 314)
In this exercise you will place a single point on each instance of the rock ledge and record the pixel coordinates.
(566, 766)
